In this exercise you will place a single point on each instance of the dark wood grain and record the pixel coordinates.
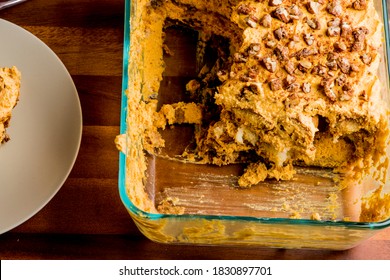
(86, 218)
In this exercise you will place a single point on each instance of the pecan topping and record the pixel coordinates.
(314, 23)
(328, 84)
(294, 87)
(333, 31)
(335, 22)
(275, 84)
(290, 67)
(359, 35)
(290, 79)
(347, 92)
(360, 5)
(251, 21)
(335, 8)
(295, 12)
(266, 21)
(309, 38)
(344, 65)
(340, 46)
(280, 33)
(254, 49)
(245, 9)
(305, 66)
(332, 65)
(332, 56)
(270, 64)
(306, 87)
(275, 2)
(281, 53)
(305, 52)
(346, 29)
(320, 70)
(313, 7)
(341, 80)
(366, 58)
(282, 14)
(253, 72)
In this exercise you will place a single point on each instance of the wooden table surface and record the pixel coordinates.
(86, 219)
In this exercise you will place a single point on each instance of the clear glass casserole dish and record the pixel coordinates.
(203, 202)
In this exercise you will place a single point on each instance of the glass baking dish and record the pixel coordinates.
(276, 214)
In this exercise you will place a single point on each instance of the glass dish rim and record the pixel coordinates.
(158, 216)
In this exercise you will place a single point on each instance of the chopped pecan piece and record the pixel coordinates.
(289, 67)
(253, 72)
(295, 12)
(340, 46)
(282, 14)
(334, 22)
(281, 53)
(360, 5)
(309, 38)
(346, 29)
(275, 2)
(254, 49)
(332, 65)
(305, 52)
(290, 79)
(280, 33)
(275, 84)
(320, 70)
(294, 87)
(245, 9)
(306, 87)
(251, 21)
(270, 64)
(328, 84)
(347, 87)
(314, 23)
(266, 21)
(366, 58)
(313, 7)
(357, 46)
(332, 56)
(335, 8)
(341, 80)
(305, 66)
(359, 35)
(344, 65)
(347, 92)
(333, 31)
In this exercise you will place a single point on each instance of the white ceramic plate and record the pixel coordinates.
(45, 128)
